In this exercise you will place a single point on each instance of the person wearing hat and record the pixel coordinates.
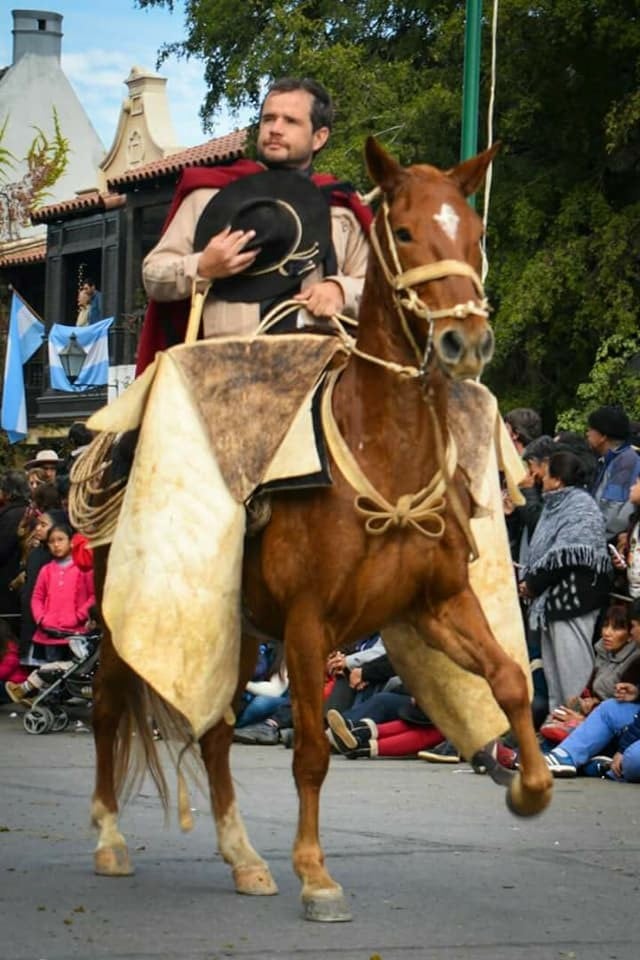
(48, 461)
(608, 435)
(260, 232)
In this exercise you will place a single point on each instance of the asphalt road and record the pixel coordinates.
(433, 865)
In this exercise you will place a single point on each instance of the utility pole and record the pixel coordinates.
(471, 82)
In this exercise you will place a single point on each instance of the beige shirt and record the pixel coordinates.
(169, 269)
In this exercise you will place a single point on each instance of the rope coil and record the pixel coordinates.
(94, 509)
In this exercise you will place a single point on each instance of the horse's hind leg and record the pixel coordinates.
(460, 629)
(111, 857)
(305, 644)
(251, 875)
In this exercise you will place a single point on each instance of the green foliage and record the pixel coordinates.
(564, 237)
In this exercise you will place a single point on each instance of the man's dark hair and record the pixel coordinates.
(322, 112)
(89, 282)
(525, 423)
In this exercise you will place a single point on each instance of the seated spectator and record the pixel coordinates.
(567, 578)
(614, 653)
(608, 436)
(264, 694)
(608, 742)
(613, 726)
(404, 737)
(11, 670)
(352, 678)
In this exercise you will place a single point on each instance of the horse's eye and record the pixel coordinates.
(403, 235)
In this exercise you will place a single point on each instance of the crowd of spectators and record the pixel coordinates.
(46, 578)
(575, 546)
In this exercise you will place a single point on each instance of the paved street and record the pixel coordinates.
(434, 866)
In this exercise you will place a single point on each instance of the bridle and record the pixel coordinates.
(405, 298)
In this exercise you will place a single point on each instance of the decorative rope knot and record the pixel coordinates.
(462, 310)
(422, 511)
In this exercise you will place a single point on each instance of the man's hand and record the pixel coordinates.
(322, 299)
(224, 255)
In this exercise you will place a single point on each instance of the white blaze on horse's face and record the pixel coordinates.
(448, 219)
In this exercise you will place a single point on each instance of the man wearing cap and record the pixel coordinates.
(608, 435)
(288, 234)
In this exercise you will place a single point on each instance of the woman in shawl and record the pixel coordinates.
(567, 577)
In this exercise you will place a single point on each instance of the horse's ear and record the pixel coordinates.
(470, 174)
(383, 169)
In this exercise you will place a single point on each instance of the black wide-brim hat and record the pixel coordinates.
(293, 232)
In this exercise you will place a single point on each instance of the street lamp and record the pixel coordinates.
(72, 358)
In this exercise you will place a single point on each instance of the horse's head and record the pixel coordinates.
(427, 239)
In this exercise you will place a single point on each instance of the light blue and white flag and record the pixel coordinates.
(94, 340)
(24, 337)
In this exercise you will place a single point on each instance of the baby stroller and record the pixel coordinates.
(67, 687)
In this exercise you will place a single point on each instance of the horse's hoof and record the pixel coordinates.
(254, 881)
(113, 862)
(327, 909)
(524, 802)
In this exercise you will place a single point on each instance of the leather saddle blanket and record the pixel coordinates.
(219, 419)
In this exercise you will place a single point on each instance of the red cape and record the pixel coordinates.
(166, 323)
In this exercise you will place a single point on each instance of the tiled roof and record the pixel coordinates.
(16, 258)
(213, 151)
(84, 203)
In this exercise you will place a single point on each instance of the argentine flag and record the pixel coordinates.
(25, 335)
(94, 340)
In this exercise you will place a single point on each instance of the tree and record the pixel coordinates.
(46, 161)
(564, 237)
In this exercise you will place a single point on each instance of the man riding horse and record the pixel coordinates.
(387, 545)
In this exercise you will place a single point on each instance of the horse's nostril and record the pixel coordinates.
(486, 346)
(451, 346)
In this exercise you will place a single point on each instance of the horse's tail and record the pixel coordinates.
(147, 721)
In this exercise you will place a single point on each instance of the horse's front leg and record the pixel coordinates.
(459, 628)
(251, 875)
(306, 648)
(113, 680)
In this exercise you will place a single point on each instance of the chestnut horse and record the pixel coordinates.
(315, 576)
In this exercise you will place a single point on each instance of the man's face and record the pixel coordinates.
(596, 440)
(285, 136)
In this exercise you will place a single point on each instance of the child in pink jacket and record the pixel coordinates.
(62, 597)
